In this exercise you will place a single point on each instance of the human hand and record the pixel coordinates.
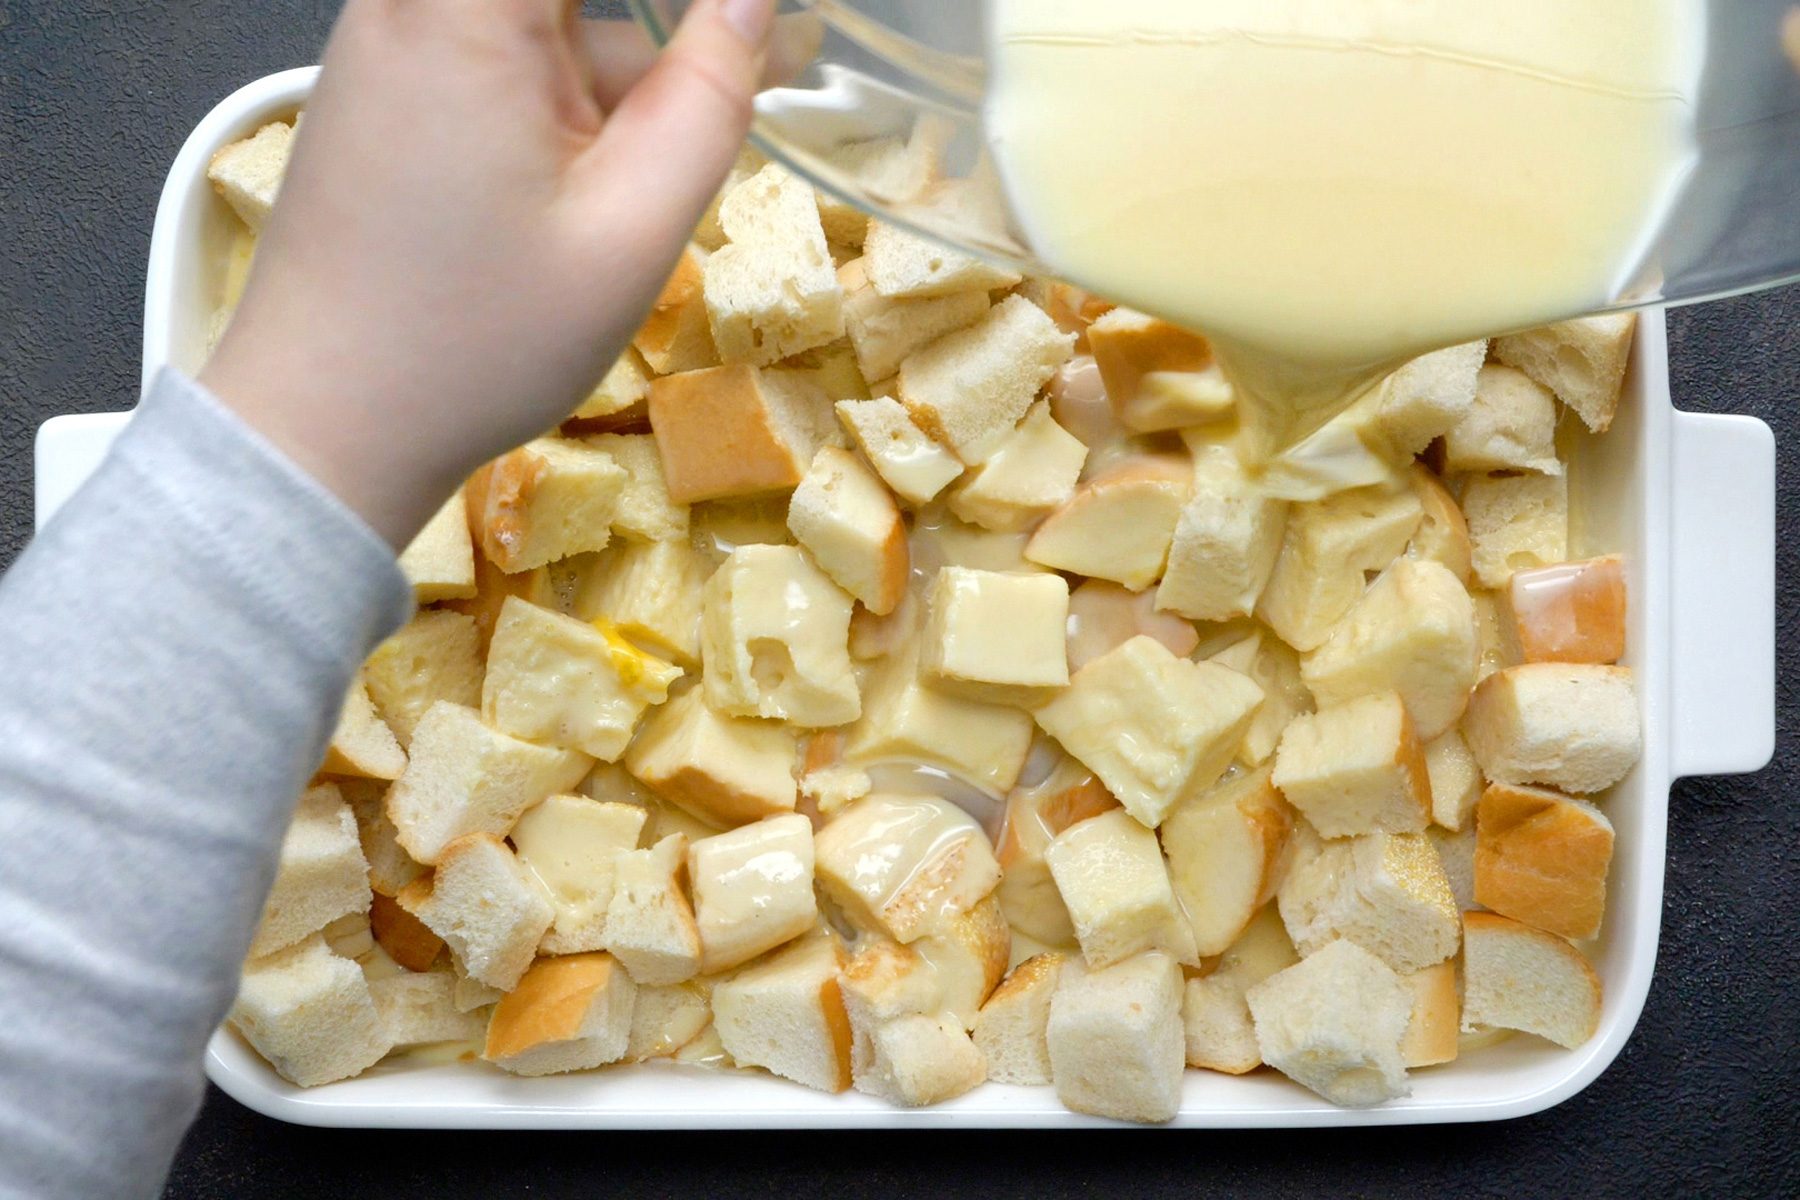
(485, 199)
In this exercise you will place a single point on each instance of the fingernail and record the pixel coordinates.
(751, 19)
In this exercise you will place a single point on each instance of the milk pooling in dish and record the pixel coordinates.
(1328, 187)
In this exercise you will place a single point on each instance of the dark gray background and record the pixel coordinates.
(98, 96)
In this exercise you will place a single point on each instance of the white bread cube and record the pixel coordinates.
(1510, 427)
(904, 865)
(736, 431)
(1569, 612)
(1328, 548)
(1572, 726)
(1583, 361)
(486, 906)
(1432, 1032)
(1012, 1030)
(1456, 850)
(1034, 817)
(390, 866)
(1455, 779)
(650, 592)
(1516, 523)
(1423, 399)
(1227, 850)
(248, 173)
(572, 844)
(664, 1020)
(548, 499)
(362, 745)
(1356, 767)
(725, 770)
(1031, 473)
(905, 718)
(1118, 525)
(1220, 1033)
(1104, 615)
(1115, 1037)
(1443, 534)
(402, 936)
(1517, 977)
(884, 330)
(1386, 892)
(775, 637)
(968, 953)
(753, 889)
(621, 395)
(1153, 727)
(708, 233)
(1157, 375)
(1334, 1023)
(309, 1013)
(435, 657)
(907, 460)
(1111, 874)
(994, 636)
(645, 512)
(786, 1015)
(1413, 632)
(419, 1008)
(918, 1060)
(905, 265)
(1275, 668)
(676, 336)
(566, 1014)
(846, 519)
(1542, 858)
(464, 777)
(772, 291)
(651, 927)
(895, 171)
(1225, 544)
(440, 561)
(321, 874)
(553, 679)
(969, 388)
(472, 994)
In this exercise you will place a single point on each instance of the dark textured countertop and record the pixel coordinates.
(98, 96)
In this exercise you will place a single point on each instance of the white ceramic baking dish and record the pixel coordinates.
(1688, 498)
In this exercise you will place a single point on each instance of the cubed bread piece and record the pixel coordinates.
(1542, 858)
(903, 265)
(1327, 551)
(321, 874)
(645, 512)
(1572, 726)
(650, 923)
(1104, 615)
(846, 519)
(1225, 544)
(548, 499)
(1455, 779)
(1413, 632)
(1118, 525)
(885, 329)
(1443, 535)
(1456, 850)
(905, 718)
(664, 1020)
(1510, 427)
(1517, 977)
(1334, 1023)
(248, 173)
(1568, 612)
(753, 889)
(1111, 874)
(309, 1013)
(556, 680)
(486, 906)
(1115, 1038)
(493, 586)
(464, 777)
(775, 637)
(725, 770)
(419, 1008)
(472, 994)
(1220, 1034)
(572, 844)
(1423, 399)
(918, 1060)
(772, 291)
(786, 1015)
(566, 1014)
(1012, 1030)
(1356, 767)
(1031, 473)
(650, 592)
(362, 745)
(390, 866)
(904, 865)
(969, 388)
(620, 398)
(1153, 727)
(881, 981)
(1386, 892)
(1275, 668)
(1034, 817)
(1432, 1032)
(677, 334)
(435, 657)
(1157, 375)
(440, 561)
(1516, 523)
(968, 953)
(1227, 848)
(893, 170)
(907, 460)
(736, 431)
(406, 939)
(708, 234)
(994, 636)
(1583, 361)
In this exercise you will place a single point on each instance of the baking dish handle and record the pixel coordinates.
(1722, 589)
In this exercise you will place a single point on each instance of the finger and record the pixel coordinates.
(620, 53)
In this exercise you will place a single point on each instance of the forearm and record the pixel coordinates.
(173, 650)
